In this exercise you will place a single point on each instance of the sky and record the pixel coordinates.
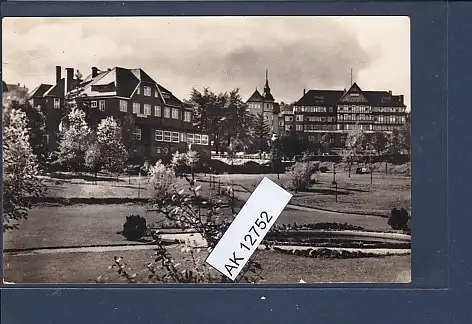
(222, 53)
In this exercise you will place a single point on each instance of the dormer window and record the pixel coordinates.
(147, 91)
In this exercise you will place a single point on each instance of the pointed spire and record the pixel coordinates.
(351, 77)
(267, 78)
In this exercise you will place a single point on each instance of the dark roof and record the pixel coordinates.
(256, 96)
(169, 98)
(56, 91)
(332, 97)
(268, 96)
(39, 91)
(320, 97)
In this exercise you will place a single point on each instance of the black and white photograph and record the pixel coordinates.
(131, 144)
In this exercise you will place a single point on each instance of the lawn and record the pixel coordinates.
(278, 268)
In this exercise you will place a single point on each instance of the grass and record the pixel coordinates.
(278, 268)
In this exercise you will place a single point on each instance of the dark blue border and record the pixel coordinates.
(441, 75)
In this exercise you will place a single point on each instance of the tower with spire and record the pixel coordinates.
(265, 104)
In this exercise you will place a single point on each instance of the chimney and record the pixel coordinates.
(304, 91)
(94, 72)
(58, 74)
(69, 79)
(390, 92)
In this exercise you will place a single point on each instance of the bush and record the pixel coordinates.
(134, 228)
(398, 219)
(300, 176)
(162, 179)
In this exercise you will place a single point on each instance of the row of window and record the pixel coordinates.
(329, 119)
(312, 109)
(318, 127)
(173, 113)
(354, 108)
(147, 92)
(174, 137)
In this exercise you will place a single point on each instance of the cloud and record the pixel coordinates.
(219, 52)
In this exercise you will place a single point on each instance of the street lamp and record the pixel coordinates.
(275, 154)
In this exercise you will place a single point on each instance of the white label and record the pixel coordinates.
(249, 228)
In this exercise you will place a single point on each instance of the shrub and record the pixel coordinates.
(398, 219)
(134, 228)
(162, 179)
(300, 176)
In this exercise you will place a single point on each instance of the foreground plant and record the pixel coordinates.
(188, 209)
(21, 180)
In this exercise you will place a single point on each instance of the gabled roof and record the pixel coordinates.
(39, 91)
(256, 96)
(333, 97)
(56, 91)
(123, 82)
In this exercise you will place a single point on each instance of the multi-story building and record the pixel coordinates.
(265, 104)
(335, 112)
(162, 124)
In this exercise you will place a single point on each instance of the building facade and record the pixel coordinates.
(14, 93)
(161, 123)
(335, 112)
(265, 104)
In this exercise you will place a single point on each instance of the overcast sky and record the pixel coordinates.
(218, 52)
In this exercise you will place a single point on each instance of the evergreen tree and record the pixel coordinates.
(261, 132)
(110, 144)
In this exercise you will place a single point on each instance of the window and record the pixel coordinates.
(158, 136)
(183, 137)
(187, 116)
(175, 137)
(166, 112)
(166, 136)
(156, 93)
(101, 105)
(157, 111)
(198, 139)
(330, 109)
(175, 113)
(137, 90)
(204, 139)
(123, 106)
(147, 109)
(288, 118)
(190, 138)
(46, 138)
(136, 107)
(299, 127)
(147, 91)
(57, 103)
(94, 104)
(137, 134)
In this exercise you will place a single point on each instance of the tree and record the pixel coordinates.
(112, 150)
(94, 158)
(353, 145)
(20, 169)
(380, 142)
(261, 132)
(127, 133)
(75, 140)
(36, 123)
(276, 157)
(237, 120)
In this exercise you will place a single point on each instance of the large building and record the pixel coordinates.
(335, 112)
(162, 124)
(265, 104)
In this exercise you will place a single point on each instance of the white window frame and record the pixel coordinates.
(187, 116)
(157, 111)
(175, 137)
(137, 89)
(156, 93)
(101, 105)
(205, 140)
(46, 138)
(137, 133)
(166, 112)
(299, 118)
(147, 109)
(168, 135)
(94, 104)
(175, 113)
(136, 107)
(159, 135)
(147, 91)
(198, 139)
(57, 103)
(123, 105)
(190, 138)
(299, 128)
